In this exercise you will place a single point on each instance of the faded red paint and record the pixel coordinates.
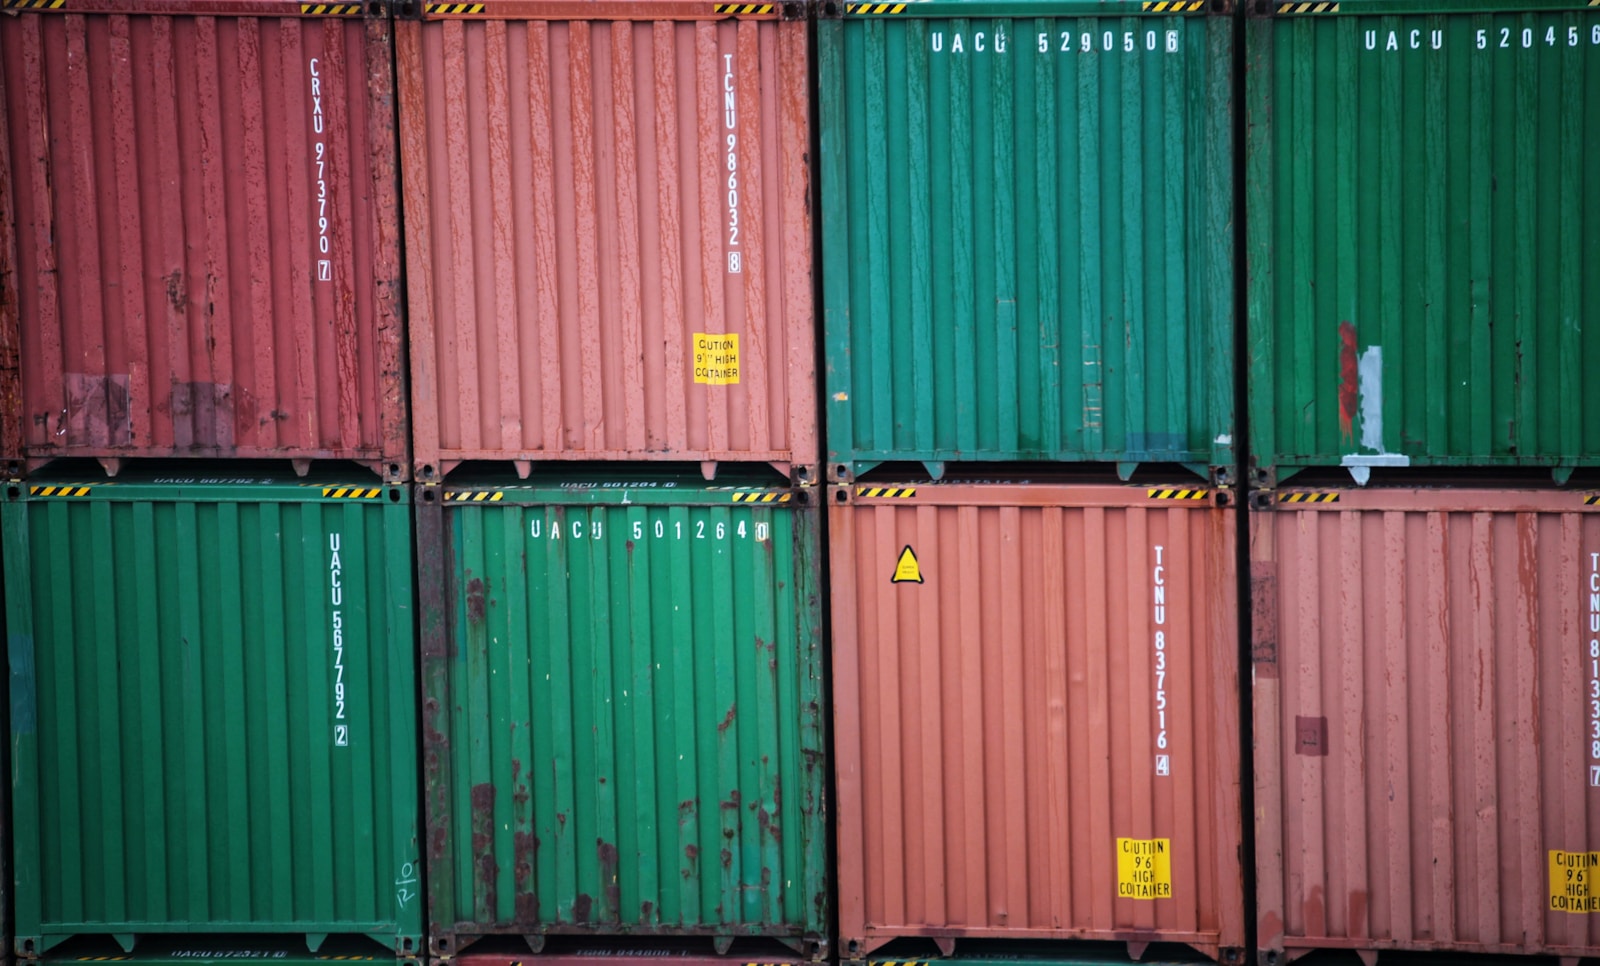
(568, 233)
(1439, 641)
(996, 728)
(631, 953)
(163, 177)
(1349, 380)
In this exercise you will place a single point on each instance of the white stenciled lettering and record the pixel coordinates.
(319, 150)
(341, 728)
(730, 121)
(1158, 596)
(1592, 665)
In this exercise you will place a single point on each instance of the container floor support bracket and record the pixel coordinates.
(1368, 956)
(1136, 949)
(1125, 471)
(314, 940)
(1561, 474)
(935, 468)
(125, 940)
(946, 944)
(301, 467)
(722, 944)
(535, 942)
(113, 465)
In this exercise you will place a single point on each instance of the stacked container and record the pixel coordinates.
(210, 634)
(1026, 252)
(608, 240)
(1425, 648)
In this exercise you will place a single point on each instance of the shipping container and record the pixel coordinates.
(621, 709)
(1036, 714)
(213, 722)
(205, 253)
(630, 954)
(218, 950)
(1419, 236)
(608, 232)
(1426, 754)
(1027, 231)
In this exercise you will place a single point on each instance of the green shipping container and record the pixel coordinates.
(621, 723)
(1027, 237)
(1423, 234)
(213, 719)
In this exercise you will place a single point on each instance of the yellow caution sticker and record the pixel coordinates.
(906, 569)
(716, 358)
(1572, 881)
(1144, 868)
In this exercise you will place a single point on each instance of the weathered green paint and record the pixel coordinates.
(1435, 202)
(175, 685)
(1027, 254)
(622, 723)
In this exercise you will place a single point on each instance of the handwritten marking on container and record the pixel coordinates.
(1158, 579)
(406, 884)
(716, 359)
(320, 201)
(1572, 881)
(906, 569)
(730, 120)
(1594, 670)
(341, 729)
(1144, 868)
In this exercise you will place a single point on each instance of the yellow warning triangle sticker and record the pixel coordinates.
(906, 570)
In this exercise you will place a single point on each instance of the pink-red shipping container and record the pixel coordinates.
(1427, 720)
(199, 252)
(1036, 709)
(608, 233)
(630, 953)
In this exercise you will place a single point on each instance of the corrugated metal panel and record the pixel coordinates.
(1024, 677)
(631, 954)
(622, 721)
(1420, 237)
(1028, 252)
(169, 179)
(591, 207)
(212, 719)
(1425, 735)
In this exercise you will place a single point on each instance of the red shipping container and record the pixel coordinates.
(200, 252)
(608, 233)
(1427, 720)
(628, 954)
(1036, 710)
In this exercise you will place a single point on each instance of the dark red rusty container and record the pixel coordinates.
(1036, 714)
(634, 954)
(1427, 721)
(608, 232)
(199, 252)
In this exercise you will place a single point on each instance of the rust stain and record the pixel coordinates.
(526, 850)
(606, 852)
(1348, 380)
(475, 598)
(486, 870)
(727, 720)
(581, 907)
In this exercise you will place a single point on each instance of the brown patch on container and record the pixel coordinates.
(482, 818)
(1349, 383)
(202, 416)
(768, 825)
(1310, 735)
(97, 410)
(607, 855)
(1264, 618)
(527, 907)
(475, 605)
(727, 858)
(581, 907)
(727, 720)
(647, 911)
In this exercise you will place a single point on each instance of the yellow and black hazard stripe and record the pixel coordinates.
(32, 4)
(888, 493)
(475, 496)
(351, 492)
(762, 496)
(342, 959)
(451, 8)
(898, 962)
(1320, 6)
(1164, 493)
(330, 9)
(744, 8)
(65, 489)
(1310, 496)
(1592, 498)
(1173, 6)
(875, 8)
(103, 959)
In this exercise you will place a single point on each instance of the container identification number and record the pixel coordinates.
(1495, 38)
(320, 149)
(659, 529)
(341, 728)
(1593, 696)
(1065, 41)
(1158, 579)
(730, 120)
